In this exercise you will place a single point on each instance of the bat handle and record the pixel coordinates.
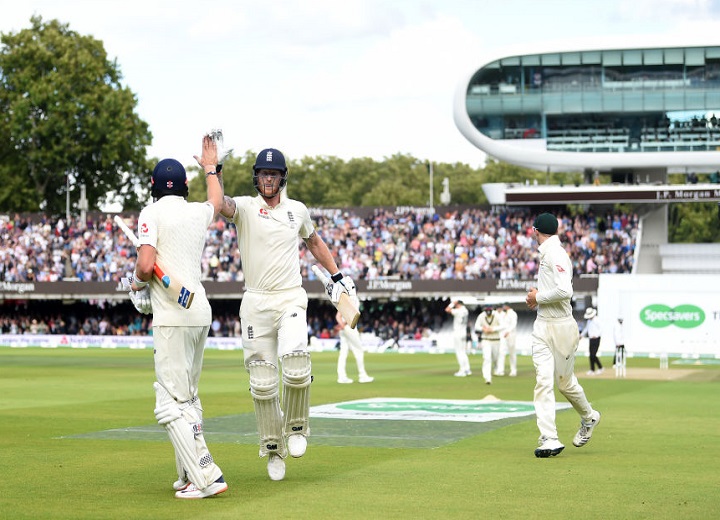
(320, 275)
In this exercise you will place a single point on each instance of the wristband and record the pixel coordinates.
(336, 277)
(140, 284)
(207, 174)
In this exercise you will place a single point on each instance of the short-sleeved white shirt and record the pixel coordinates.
(268, 241)
(177, 230)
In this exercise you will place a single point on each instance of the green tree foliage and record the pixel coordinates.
(326, 181)
(66, 118)
(693, 222)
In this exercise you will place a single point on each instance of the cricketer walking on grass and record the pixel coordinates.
(460, 316)
(173, 230)
(555, 339)
(273, 312)
(350, 341)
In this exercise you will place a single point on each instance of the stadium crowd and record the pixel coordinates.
(468, 244)
(463, 244)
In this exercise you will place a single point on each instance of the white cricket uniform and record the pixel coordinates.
(177, 230)
(508, 342)
(273, 312)
(490, 342)
(460, 322)
(350, 340)
(555, 338)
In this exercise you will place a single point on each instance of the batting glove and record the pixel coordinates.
(341, 284)
(141, 300)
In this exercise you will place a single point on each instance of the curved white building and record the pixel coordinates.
(625, 110)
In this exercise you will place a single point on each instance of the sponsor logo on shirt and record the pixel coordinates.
(559, 268)
(262, 212)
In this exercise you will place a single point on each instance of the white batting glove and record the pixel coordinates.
(141, 300)
(341, 284)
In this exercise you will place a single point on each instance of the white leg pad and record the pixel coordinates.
(265, 391)
(296, 369)
(185, 429)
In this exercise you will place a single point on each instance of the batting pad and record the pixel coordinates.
(265, 391)
(184, 427)
(296, 371)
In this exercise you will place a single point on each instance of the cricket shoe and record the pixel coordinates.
(366, 379)
(460, 373)
(582, 437)
(344, 380)
(548, 448)
(181, 483)
(217, 487)
(297, 444)
(275, 467)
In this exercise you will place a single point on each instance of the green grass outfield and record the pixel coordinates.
(79, 441)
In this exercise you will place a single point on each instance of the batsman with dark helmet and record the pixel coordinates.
(273, 312)
(172, 231)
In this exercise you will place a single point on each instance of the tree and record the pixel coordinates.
(66, 120)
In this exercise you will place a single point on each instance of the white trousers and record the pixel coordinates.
(350, 340)
(507, 347)
(273, 324)
(178, 354)
(554, 343)
(460, 345)
(491, 355)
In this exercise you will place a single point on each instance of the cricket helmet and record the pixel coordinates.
(270, 159)
(169, 178)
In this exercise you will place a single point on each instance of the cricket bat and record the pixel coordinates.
(347, 308)
(178, 291)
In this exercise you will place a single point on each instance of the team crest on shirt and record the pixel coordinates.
(262, 212)
(291, 219)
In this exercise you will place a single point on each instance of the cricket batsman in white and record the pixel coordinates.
(172, 231)
(555, 339)
(273, 312)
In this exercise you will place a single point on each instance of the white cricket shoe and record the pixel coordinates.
(297, 444)
(275, 467)
(217, 487)
(344, 380)
(181, 483)
(582, 437)
(548, 448)
(460, 373)
(366, 379)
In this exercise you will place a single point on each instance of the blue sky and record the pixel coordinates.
(344, 78)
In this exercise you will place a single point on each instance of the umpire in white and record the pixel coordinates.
(273, 312)
(172, 232)
(555, 339)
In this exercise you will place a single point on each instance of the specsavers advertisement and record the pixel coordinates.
(662, 314)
